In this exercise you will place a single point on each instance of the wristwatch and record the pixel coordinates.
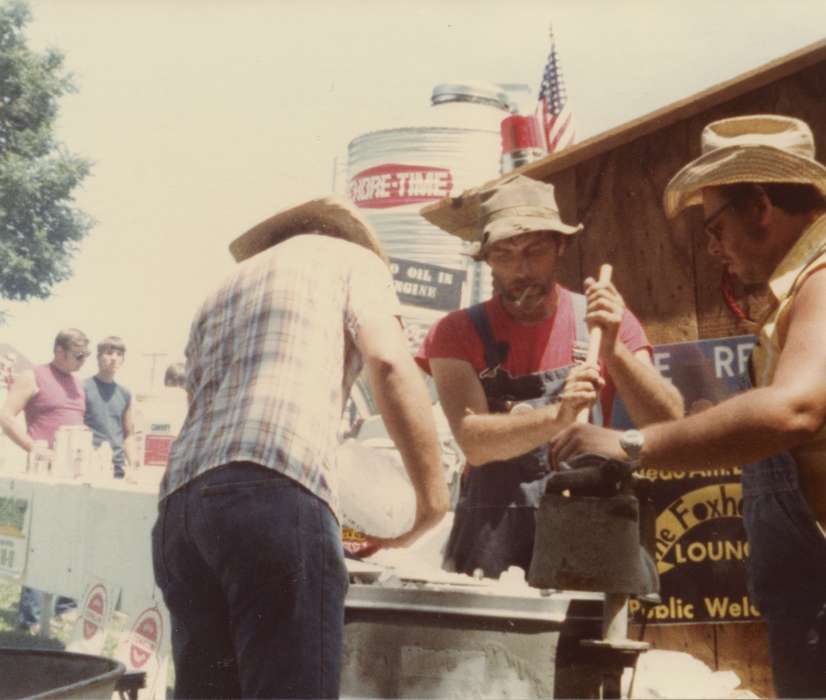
(632, 441)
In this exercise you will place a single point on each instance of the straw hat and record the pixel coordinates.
(756, 148)
(332, 216)
(515, 206)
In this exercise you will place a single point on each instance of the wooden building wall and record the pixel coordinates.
(662, 268)
(613, 183)
(672, 283)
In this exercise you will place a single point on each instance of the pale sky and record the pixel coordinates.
(203, 117)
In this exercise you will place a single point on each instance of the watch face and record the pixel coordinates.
(632, 442)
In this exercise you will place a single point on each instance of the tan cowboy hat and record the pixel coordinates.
(756, 148)
(332, 216)
(515, 206)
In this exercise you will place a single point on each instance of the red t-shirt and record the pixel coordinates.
(534, 347)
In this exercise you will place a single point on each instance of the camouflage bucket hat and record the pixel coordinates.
(516, 206)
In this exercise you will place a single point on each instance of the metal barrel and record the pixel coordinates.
(392, 173)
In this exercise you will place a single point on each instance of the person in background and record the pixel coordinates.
(172, 401)
(109, 412)
(175, 375)
(247, 546)
(7, 362)
(49, 396)
(522, 349)
(764, 205)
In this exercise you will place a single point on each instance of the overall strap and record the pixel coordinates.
(495, 353)
(579, 351)
(817, 261)
(580, 348)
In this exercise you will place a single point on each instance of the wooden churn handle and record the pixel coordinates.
(594, 340)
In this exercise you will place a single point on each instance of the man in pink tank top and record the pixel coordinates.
(50, 396)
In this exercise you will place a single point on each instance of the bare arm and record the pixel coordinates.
(485, 437)
(23, 389)
(648, 396)
(129, 435)
(404, 404)
(749, 426)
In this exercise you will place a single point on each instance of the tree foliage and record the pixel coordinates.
(40, 227)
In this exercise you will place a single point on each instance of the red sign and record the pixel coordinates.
(146, 637)
(393, 185)
(93, 611)
(156, 449)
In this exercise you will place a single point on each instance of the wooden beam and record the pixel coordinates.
(459, 215)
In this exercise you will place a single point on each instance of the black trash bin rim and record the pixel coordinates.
(113, 674)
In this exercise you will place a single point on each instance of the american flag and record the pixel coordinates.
(553, 109)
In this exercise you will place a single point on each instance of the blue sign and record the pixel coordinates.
(699, 542)
(427, 286)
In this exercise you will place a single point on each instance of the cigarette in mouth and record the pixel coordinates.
(522, 296)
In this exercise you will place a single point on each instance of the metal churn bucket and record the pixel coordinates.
(588, 539)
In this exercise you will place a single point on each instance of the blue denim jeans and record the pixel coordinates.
(787, 574)
(252, 570)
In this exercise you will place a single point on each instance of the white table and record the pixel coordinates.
(79, 531)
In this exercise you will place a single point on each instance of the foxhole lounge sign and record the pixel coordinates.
(700, 543)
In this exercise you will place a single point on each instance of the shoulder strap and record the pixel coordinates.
(495, 352)
(580, 349)
(817, 262)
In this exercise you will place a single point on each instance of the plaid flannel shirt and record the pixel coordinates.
(271, 359)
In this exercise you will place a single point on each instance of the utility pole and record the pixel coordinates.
(154, 356)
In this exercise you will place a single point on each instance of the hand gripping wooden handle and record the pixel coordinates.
(594, 340)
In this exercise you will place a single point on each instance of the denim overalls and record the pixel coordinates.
(786, 572)
(494, 524)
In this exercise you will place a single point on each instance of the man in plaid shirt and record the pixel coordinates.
(247, 547)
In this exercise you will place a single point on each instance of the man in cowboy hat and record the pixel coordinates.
(764, 201)
(501, 366)
(247, 547)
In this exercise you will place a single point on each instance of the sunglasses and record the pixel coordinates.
(708, 224)
(80, 355)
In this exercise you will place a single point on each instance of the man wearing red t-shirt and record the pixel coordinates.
(508, 376)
